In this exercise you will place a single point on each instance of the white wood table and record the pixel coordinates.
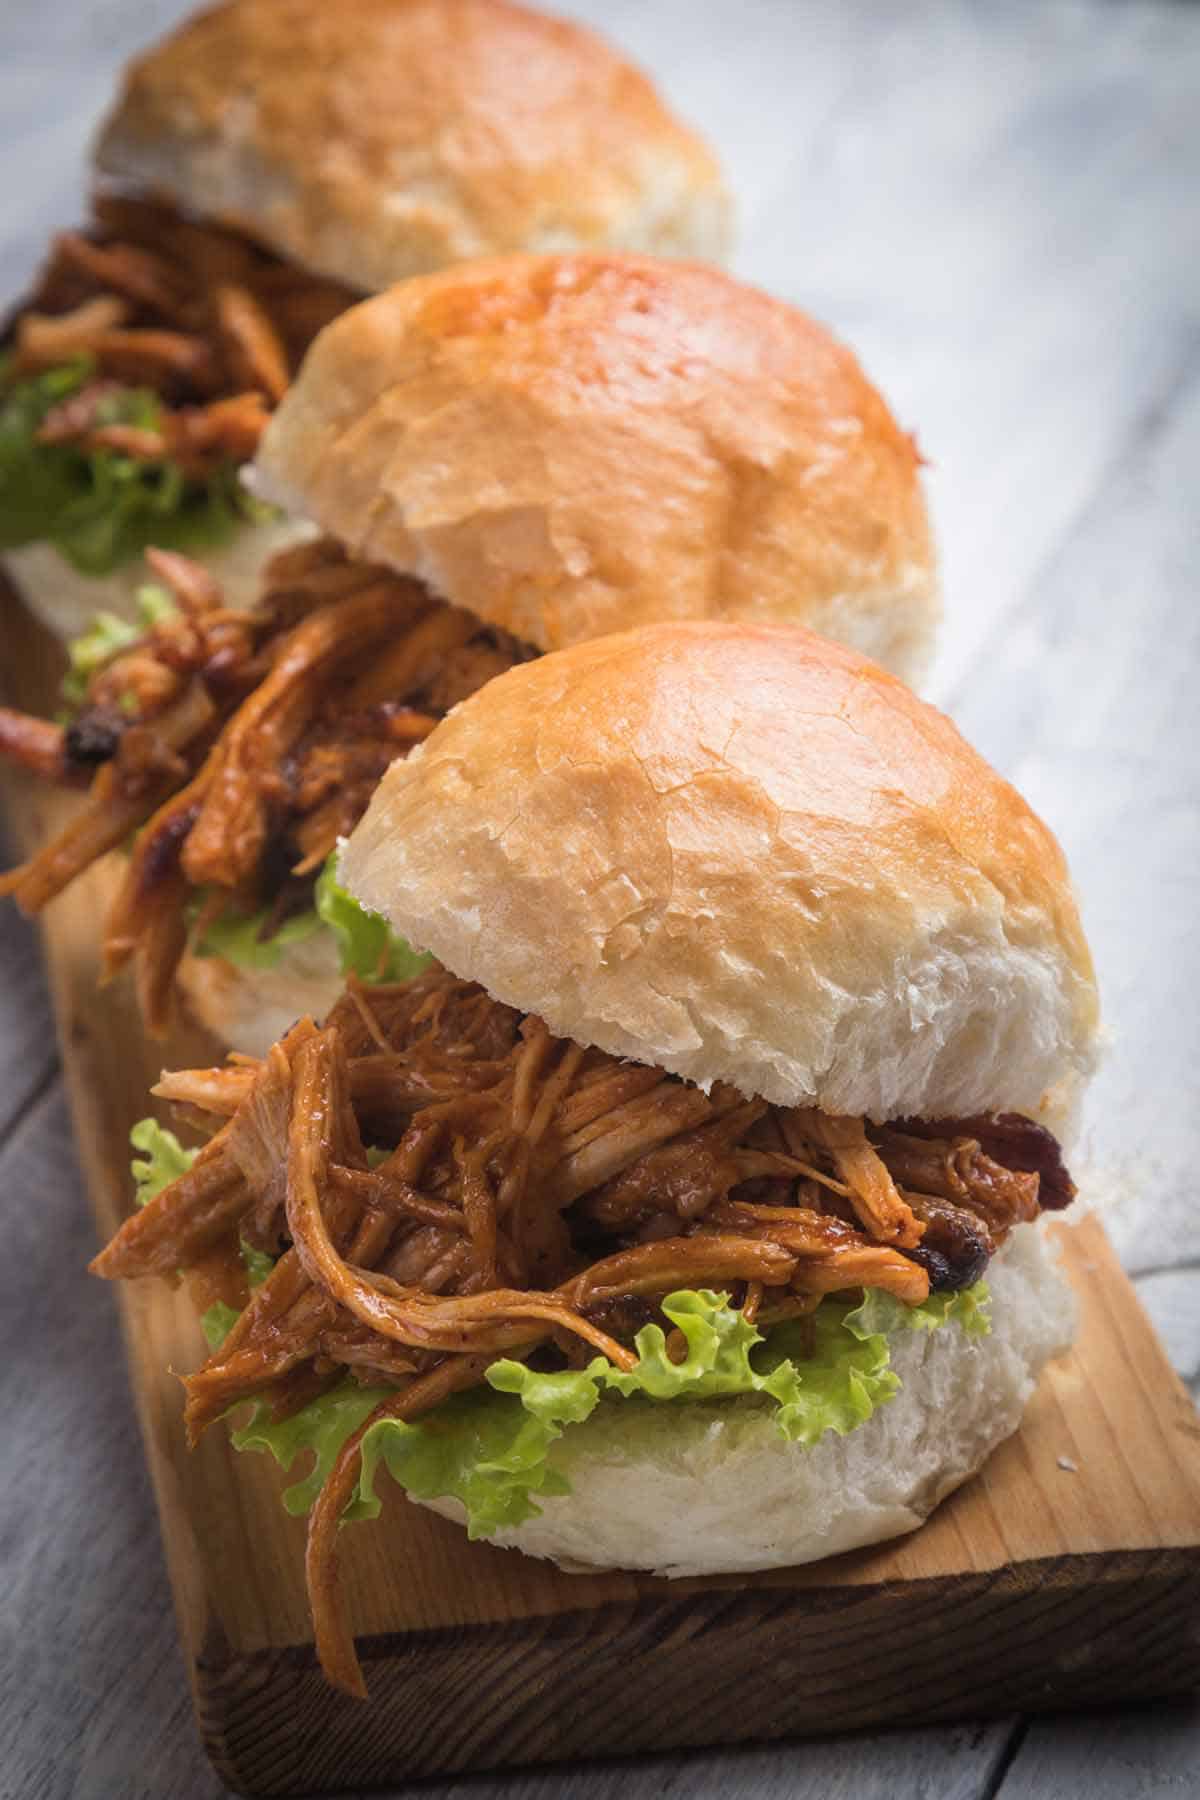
(997, 206)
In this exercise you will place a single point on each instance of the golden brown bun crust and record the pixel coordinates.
(373, 139)
(743, 854)
(575, 445)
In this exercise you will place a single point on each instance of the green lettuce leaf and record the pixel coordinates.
(320, 1428)
(162, 1161)
(367, 947)
(491, 1449)
(258, 1264)
(238, 937)
(216, 1322)
(100, 508)
(109, 634)
(970, 1309)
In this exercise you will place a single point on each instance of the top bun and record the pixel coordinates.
(373, 139)
(743, 854)
(573, 445)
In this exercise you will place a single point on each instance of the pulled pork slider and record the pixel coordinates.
(682, 1216)
(266, 164)
(509, 457)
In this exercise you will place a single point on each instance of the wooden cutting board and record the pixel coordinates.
(1067, 1573)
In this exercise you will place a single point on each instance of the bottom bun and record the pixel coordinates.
(251, 1009)
(712, 1488)
(894, 626)
(66, 602)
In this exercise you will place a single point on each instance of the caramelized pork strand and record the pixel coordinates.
(240, 747)
(211, 324)
(529, 1197)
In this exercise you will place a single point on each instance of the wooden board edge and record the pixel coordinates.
(734, 1666)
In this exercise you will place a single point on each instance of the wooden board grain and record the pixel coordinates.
(1067, 1573)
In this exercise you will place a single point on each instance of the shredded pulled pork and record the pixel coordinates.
(534, 1199)
(245, 744)
(210, 323)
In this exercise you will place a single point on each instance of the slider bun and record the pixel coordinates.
(372, 139)
(573, 445)
(66, 602)
(251, 1009)
(743, 854)
(701, 1488)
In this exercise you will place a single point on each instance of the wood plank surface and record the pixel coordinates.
(1068, 1571)
(995, 203)
(27, 1055)
(93, 1699)
(1142, 1754)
